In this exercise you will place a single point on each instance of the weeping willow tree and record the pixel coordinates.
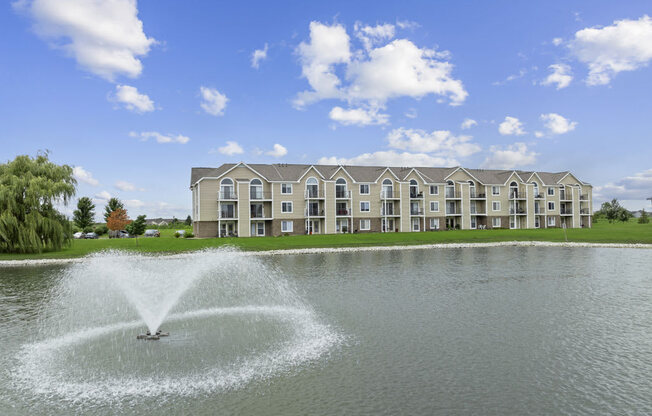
(29, 189)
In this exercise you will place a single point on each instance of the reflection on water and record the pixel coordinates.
(495, 331)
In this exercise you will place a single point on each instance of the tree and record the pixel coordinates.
(610, 210)
(644, 218)
(84, 215)
(136, 227)
(118, 220)
(188, 220)
(29, 188)
(174, 221)
(624, 215)
(112, 205)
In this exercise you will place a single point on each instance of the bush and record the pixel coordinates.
(188, 235)
(457, 226)
(644, 218)
(101, 229)
(177, 235)
(88, 229)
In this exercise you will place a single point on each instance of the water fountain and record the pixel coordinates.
(231, 320)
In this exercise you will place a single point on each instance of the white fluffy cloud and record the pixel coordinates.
(560, 76)
(132, 100)
(390, 158)
(103, 196)
(626, 45)
(213, 102)
(358, 116)
(105, 37)
(513, 156)
(374, 75)
(160, 138)
(440, 143)
(257, 56)
(637, 186)
(557, 41)
(557, 124)
(468, 123)
(231, 148)
(82, 175)
(127, 186)
(278, 151)
(511, 126)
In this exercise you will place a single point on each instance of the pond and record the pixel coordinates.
(493, 331)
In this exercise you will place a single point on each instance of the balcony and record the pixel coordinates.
(516, 195)
(416, 195)
(585, 211)
(314, 194)
(477, 195)
(584, 197)
(564, 197)
(339, 194)
(416, 211)
(538, 211)
(517, 211)
(342, 212)
(478, 211)
(389, 194)
(227, 215)
(255, 195)
(453, 211)
(389, 212)
(452, 195)
(539, 196)
(311, 212)
(257, 213)
(565, 211)
(228, 195)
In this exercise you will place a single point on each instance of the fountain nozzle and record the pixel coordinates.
(157, 335)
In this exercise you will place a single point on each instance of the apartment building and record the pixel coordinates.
(247, 200)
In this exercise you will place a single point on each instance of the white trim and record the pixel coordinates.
(365, 202)
(430, 188)
(345, 171)
(291, 222)
(492, 206)
(434, 202)
(465, 171)
(308, 170)
(291, 188)
(291, 207)
(548, 207)
(432, 220)
(368, 188)
(368, 222)
(492, 190)
(390, 171)
(493, 222)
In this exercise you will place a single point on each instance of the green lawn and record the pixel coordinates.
(602, 232)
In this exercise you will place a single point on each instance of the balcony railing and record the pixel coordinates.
(538, 211)
(227, 214)
(564, 197)
(342, 212)
(417, 211)
(231, 195)
(584, 197)
(314, 193)
(516, 211)
(584, 211)
(388, 193)
(257, 213)
(342, 194)
(415, 195)
(389, 211)
(516, 195)
(476, 211)
(258, 195)
(453, 211)
(310, 212)
(477, 195)
(538, 196)
(566, 211)
(452, 195)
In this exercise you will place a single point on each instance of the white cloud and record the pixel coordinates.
(557, 124)
(561, 76)
(407, 24)
(132, 99)
(411, 113)
(513, 156)
(82, 175)
(231, 148)
(160, 138)
(390, 158)
(358, 116)
(105, 37)
(637, 186)
(512, 77)
(278, 151)
(257, 56)
(557, 41)
(626, 45)
(468, 123)
(372, 76)
(127, 186)
(103, 196)
(538, 134)
(372, 35)
(213, 102)
(441, 143)
(511, 126)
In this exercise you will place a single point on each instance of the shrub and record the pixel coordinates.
(644, 218)
(457, 226)
(177, 235)
(101, 229)
(188, 235)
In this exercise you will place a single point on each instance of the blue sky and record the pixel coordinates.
(135, 94)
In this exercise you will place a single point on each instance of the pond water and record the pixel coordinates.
(493, 331)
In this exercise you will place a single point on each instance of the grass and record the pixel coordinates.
(602, 232)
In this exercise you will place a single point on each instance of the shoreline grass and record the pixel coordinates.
(602, 232)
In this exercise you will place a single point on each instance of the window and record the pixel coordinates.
(537, 224)
(434, 190)
(257, 229)
(365, 225)
(364, 206)
(286, 207)
(287, 226)
(495, 190)
(434, 223)
(551, 221)
(551, 206)
(551, 191)
(434, 206)
(495, 222)
(512, 222)
(495, 205)
(364, 189)
(474, 223)
(416, 223)
(286, 188)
